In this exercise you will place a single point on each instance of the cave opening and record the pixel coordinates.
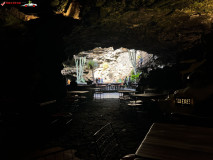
(127, 68)
(120, 65)
(111, 65)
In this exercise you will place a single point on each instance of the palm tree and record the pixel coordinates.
(92, 65)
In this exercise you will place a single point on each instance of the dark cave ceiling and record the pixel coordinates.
(162, 27)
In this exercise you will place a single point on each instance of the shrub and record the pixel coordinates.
(135, 77)
(92, 64)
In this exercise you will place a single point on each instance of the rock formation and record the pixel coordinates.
(159, 26)
(114, 65)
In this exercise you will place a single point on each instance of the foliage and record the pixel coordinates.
(92, 64)
(135, 77)
(120, 81)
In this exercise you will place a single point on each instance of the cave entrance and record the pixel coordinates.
(109, 65)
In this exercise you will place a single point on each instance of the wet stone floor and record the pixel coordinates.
(130, 126)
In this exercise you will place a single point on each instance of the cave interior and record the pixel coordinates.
(37, 41)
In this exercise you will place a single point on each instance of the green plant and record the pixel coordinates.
(135, 77)
(120, 80)
(92, 65)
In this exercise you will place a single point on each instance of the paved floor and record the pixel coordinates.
(129, 125)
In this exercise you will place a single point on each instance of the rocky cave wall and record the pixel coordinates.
(113, 65)
(158, 26)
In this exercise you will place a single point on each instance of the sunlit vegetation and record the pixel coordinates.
(135, 77)
(91, 64)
